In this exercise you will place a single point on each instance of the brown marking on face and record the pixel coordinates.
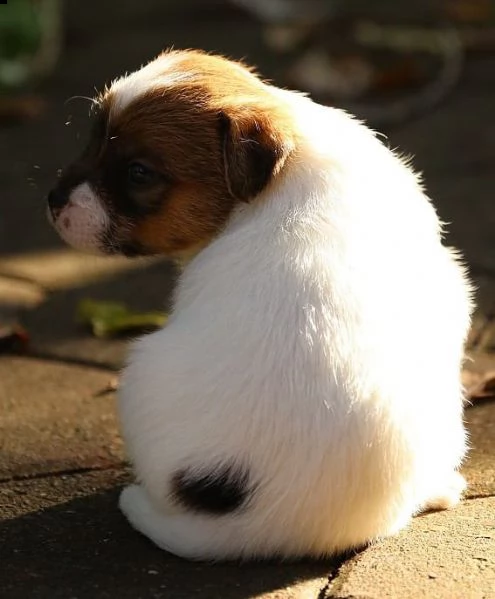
(210, 133)
(186, 219)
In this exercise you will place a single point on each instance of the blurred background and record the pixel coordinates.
(422, 73)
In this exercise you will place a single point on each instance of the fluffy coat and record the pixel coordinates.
(317, 339)
(304, 397)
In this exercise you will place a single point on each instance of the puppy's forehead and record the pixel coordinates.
(157, 74)
(214, 75)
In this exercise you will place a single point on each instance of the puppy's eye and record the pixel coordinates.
(139, 174)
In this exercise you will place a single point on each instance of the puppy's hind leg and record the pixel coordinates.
(183, 534)
(447, 495)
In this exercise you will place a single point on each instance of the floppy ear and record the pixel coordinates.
(253, 152)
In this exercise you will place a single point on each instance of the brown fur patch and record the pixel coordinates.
(214, 135)
(187, 219)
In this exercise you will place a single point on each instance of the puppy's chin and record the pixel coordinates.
(79, 239)
(136, 250)
(129, 249)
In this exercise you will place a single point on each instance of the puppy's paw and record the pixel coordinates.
(448, 495)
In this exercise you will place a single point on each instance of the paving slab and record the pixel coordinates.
(443, 555)
(446, 555)
(63, 537)
(53, 419)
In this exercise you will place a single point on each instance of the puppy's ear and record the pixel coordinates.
(253, 151)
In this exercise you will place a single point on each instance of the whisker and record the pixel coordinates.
(91, 100)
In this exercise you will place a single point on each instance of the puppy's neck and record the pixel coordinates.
(183, 257)
(303, 176)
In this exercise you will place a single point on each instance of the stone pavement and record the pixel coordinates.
(61, 457)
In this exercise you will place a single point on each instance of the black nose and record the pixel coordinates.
(56, 201)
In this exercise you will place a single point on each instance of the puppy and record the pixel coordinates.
(305, 396)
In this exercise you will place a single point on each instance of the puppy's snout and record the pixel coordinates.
(56, 201)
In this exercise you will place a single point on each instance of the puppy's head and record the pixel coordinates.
(174, 148)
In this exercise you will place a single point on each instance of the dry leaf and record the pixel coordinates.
(481, 386)
(13, 339)
(113, 385)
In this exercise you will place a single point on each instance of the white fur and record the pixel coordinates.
(157, 73)
(317, 340)
(82, 220)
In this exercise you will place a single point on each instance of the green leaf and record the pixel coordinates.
(108, 319)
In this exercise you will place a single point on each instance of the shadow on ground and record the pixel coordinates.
(85, 548)
(55, 330)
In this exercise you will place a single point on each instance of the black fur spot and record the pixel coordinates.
(218, 491)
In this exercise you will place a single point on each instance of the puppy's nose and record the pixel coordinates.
(56, 201)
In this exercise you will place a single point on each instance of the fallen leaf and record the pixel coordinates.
(483, 388)
(107, 319)
(13, 339)
(113, 385)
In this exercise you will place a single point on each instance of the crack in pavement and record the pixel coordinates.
(48, 357)
(478, 496)
(327, 592)
(59, 473)
(340, 561)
